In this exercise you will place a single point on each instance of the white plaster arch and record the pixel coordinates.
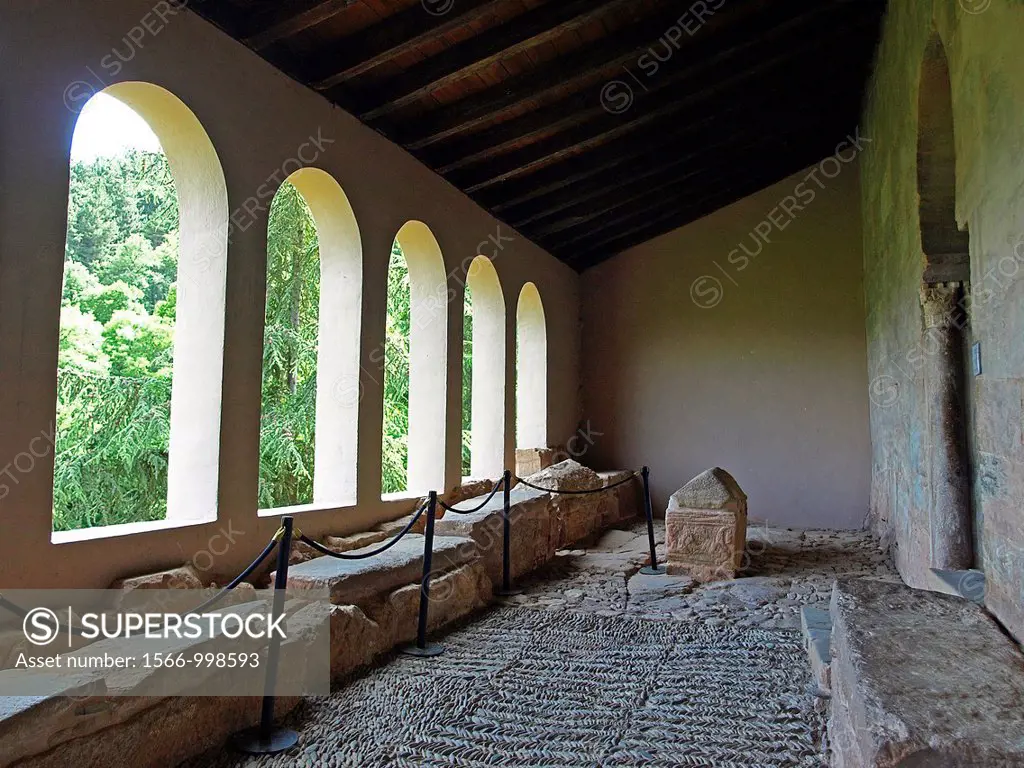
(197, 381)
(531, 370)
(340, 318)
(488, 404)
(428, 357)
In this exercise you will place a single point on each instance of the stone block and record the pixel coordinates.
(921, 679)
(355, 541)
(452, 596)
(353, 582)
(627, 496)
(706, 527)
(184, 577)
(816, 626)
(530, 461)
(574, 517)
(355, 639)
(530, 534)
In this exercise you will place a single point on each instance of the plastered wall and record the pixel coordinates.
(696, 354)
(54, 53)
(982, 42)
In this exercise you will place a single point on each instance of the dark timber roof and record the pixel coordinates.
(588, 125)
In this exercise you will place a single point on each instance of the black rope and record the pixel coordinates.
(625, 480)
(366, 555)
(19, 611)
(239, 578)
(497, 487)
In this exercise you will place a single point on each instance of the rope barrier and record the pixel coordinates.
(366, 555)
(242, 576)
(497, 487)
(581, 493)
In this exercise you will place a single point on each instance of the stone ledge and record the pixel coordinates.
(353, 582)
(921, 679)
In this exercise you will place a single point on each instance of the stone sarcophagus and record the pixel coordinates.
(706, 527)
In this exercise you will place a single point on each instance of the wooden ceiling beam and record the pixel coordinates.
(287, 19)
(360, 52)
(724, 178)
(525, 31)
(575, 199)
(696, 69)
(741, 185)
(745, 88)
(578, 66)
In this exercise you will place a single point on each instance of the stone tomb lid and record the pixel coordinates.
(712, 489)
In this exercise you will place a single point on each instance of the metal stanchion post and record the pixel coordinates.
(266, 739)
(422, 648)
(653, 569)
(506, 543)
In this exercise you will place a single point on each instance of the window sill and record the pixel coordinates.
(125, 529)
(301, 509)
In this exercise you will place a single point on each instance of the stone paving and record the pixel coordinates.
(596, 664)
(782, 571)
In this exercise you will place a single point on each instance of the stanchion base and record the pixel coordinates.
(428, 652)
(650, 571)
(510, 592)
(251, 741)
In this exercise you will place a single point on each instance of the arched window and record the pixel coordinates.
(531, 370)
(415, 364)
(142, 317)
(946, 247)
(484, 365)
(308, 429)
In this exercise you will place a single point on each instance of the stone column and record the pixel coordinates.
(950, 475)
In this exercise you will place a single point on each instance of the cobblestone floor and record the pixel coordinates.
(597, 665)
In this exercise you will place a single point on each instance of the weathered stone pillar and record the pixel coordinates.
(950, 475)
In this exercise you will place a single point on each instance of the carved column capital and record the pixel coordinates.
(939, 302)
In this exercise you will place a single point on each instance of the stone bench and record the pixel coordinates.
(354, 582)
(921, 679)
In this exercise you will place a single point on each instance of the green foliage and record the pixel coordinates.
(104, 300)
(81, 343)
(395, 463)
(119, 305)
(467, 383)
(111, 450)
(138, 345)
(288, 421)
(114, 378)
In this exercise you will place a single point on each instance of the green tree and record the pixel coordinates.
(81, 343)
(467, 383)
(139, 345)
(104, 300)
(288, 421)
(395, 464)
(113, 384)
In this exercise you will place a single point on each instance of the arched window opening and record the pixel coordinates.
(946, 321)
(415, 364)
(311, 346)
(142, 315)
(483, 372)
(531, 370)
(946, 247)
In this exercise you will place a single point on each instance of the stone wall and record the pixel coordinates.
(981, 40)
